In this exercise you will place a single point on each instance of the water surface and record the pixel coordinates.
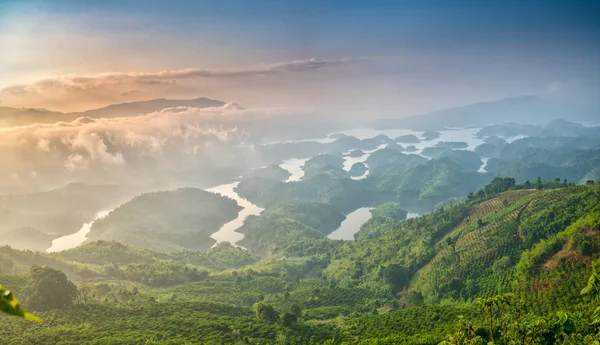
(75, 239)
(294, 166)
(351, 225)
(456, 134)
(228, 233)
(483, 165)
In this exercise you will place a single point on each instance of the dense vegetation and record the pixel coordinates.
(33, 220)
(493, 260)
(172, 220)
(408, 139)
(505, 266)
(358, 169)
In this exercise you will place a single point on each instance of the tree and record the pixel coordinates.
(238, 281)
(86, 294)
(49, 288)
(527, 184)
(589, 182)
(565, 183)
(10, 305)
(395, 275)
(493, 308)
(465, 333)
(266, 312)
(480, 223)
(6, 264)
(592, 289)
(539, 185)
(295, 309)
(289, 320)
(557, 181)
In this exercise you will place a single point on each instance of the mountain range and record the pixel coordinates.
(522, 109)
(527, 109)
(26, 116)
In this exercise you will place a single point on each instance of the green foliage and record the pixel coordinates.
(408, 139)
(358, 169)
(172, 220)
(515, 278)
(48, 289)
(384, 218)
(293, 228)
(10, 305)
(274, 172)
(266, 312)
(324, 186)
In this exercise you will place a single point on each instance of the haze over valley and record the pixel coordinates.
(280, 174)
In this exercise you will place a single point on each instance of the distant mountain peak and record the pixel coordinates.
(25, 116)
(149, 106)
(528, 109)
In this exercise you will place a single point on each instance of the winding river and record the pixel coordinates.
(228, 233)
(75, 239)
(294, 166)
(352, 223)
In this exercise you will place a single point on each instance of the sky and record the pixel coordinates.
(362, 59)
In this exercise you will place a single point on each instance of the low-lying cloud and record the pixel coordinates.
(172, 139)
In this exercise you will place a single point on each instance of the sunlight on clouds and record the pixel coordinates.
(75, 91)
(174, 137)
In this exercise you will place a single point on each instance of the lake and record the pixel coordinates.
(75, 239)
(228, 233)
(351, 225)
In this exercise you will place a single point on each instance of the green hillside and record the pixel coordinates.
(525, 252)
(172, 220)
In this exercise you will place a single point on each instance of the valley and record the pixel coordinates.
(349, 236)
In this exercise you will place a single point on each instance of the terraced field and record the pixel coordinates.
(478, 259)
(490, 206)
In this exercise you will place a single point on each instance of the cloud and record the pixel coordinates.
(65, 90)
(174, 138)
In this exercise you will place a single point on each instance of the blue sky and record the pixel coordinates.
(411, 56)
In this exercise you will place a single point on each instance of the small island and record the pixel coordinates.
(430, 135)
(408, 139)
(358, 169)
(453, 144)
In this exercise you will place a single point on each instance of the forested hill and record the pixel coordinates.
(513, 264)
(169, 220)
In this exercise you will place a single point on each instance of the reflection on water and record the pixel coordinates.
(350, 161)
(294, 166)
(75, 239)
(228, 233)
(351, 224)
(482, 167)
(361, 176)
(459, 134)
(321, 141)
(467, 135)
(511, 139)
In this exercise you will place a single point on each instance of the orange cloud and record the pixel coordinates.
(71, 92)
